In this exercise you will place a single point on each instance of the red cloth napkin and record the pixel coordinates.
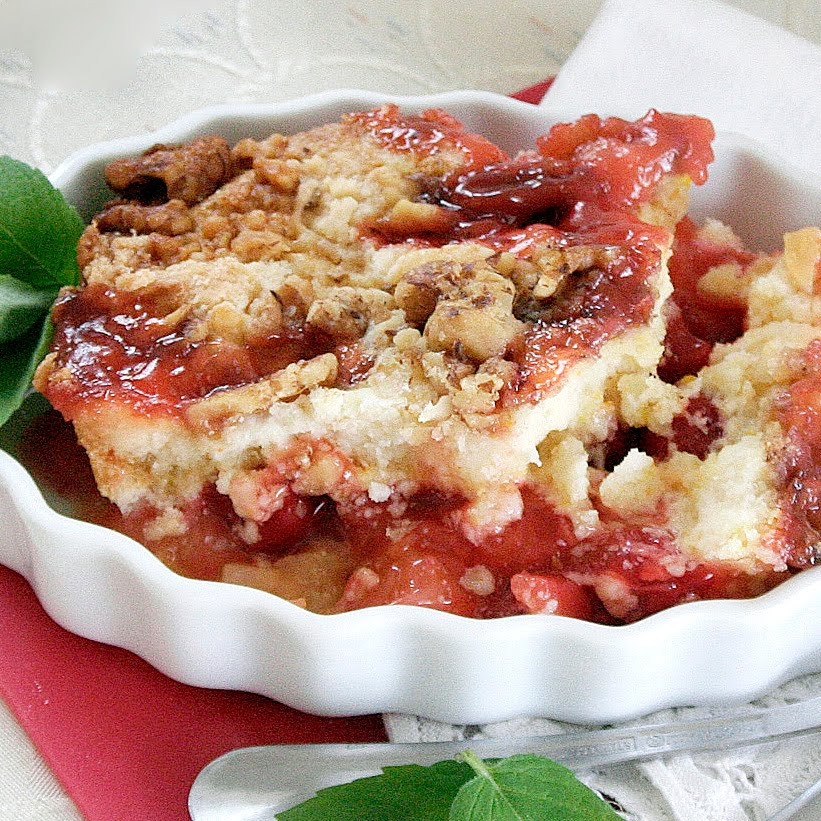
(125, 741)
(533, 94)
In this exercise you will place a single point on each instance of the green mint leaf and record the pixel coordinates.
(38, 229)
(526, 788)
(409, 793)
(20, 307)
(18, 361)
(519, 788)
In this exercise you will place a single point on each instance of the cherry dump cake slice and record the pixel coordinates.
(381, 361)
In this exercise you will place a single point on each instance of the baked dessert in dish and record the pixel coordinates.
(383, 362)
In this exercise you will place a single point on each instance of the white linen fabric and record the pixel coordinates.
(267, 50)
(28, 790)
(700, 57)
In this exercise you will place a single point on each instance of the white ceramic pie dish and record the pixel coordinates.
(105, 586)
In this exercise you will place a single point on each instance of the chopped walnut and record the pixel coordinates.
(247, 151)
(553, 265)
(281, 174)
(345, 312)
(229, 322)
(468, 307)
(172, 218)
(550, 274)
(189, 172)
(522, 272)
(282, 386)
(417, 293)
(295, 296)
(444, 371)
(478, 393)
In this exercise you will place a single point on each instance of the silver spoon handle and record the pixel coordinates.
(265, 779)
(797, 804)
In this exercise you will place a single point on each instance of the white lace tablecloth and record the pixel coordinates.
(748, 784)
(88, 75)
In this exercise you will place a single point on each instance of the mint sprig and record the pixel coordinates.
(18, 362)
(38, 229)
(526, 788)
(20, 306)
(38, 255)
(519, 788)
(410, 792)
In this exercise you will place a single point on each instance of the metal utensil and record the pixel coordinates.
(254, 783)
(797, 804)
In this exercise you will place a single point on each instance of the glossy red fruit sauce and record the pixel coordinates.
(581, 186)
(213, 538)
(118, 346)
(591, 165)
(697, 320)
(538, 565)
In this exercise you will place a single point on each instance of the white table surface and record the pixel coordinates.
(53, 101)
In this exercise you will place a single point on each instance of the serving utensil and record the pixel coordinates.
(798, 804)
(254, 783)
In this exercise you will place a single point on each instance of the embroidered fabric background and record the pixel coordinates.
(259, 50)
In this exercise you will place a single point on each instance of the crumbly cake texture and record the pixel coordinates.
(282, 320)
(730, 504)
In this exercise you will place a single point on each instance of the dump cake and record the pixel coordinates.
(382, 361)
